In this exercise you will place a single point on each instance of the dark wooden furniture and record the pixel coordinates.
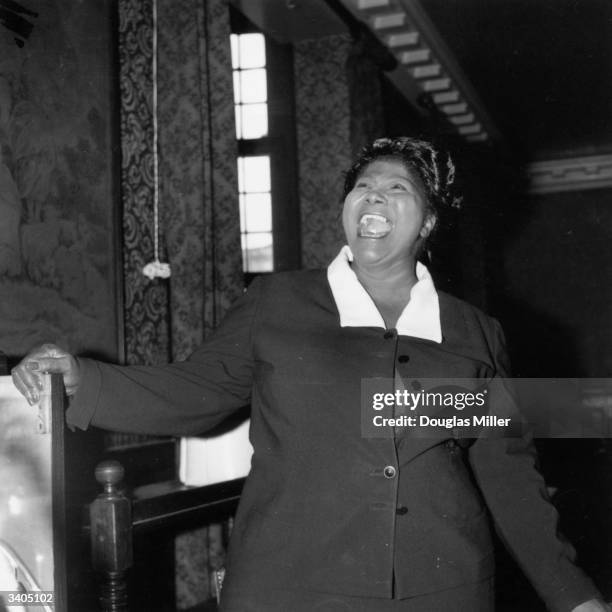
(117, 521)
(75, 454)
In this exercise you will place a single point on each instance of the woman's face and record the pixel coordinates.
(384, 215)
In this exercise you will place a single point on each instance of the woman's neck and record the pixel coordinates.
(390, 290)
(393, 279)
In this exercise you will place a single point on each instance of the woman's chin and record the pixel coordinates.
(370, 250)
(380, 253)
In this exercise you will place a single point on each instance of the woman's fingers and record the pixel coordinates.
(28, 389)
(51, 365)
(27, 375)
(64, 364)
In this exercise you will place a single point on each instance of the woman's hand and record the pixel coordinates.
(46, 358)
(593, 605)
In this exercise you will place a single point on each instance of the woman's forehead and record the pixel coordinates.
(392, 167)
(387, 164)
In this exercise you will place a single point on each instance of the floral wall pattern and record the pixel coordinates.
(198, 154)
(339, 110)
(198, 201)
(324, 142)
(364, 73)
(168, 319)
(147, 334)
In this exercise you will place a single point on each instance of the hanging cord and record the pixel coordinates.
(155, 268)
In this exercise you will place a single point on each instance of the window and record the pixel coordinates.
(254, 180)
(250, 85)
(265, 133)
(255, 196)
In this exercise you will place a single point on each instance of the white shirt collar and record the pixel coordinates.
(420, 317)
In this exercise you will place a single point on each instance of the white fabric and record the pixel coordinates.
(420, 317)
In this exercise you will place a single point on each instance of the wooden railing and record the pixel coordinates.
(116, 520)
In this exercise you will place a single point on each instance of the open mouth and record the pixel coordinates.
(372, 225)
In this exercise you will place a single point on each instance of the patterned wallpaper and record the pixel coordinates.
(198, 205)
(324, 143)
(200, 211)
(364, 73)
(198, 195)
(339, 110)
(146, 302)
(198, 167)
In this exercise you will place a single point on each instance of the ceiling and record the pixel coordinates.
(542, 69)
(536, 74)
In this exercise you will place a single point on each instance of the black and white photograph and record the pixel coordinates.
(306, 305)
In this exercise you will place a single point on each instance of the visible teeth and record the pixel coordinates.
(372, 225)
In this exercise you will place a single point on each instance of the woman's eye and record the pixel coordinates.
(400, 186)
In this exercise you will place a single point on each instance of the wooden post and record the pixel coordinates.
(111, 537)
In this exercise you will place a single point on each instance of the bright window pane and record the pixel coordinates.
(252, 51)
(254, 181)
(242, 213)
(238, 116)
(234, 45)
(241, 175)
(253, 86)
(255, 174)
(254, 120)
(257, 250)
(258, 212)
(237, 89)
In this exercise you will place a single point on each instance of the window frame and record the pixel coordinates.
(280, 145)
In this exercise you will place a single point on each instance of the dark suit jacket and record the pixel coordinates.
(317, 511)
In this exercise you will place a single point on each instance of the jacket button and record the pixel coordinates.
(403, 358)
(390, 333)
(389, 472)
(401, 510)
(451, 444)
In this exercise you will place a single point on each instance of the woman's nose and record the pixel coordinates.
(374, 196)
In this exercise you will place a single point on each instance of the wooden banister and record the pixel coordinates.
(111, 537)
(116, 519)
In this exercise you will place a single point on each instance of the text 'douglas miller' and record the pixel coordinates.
(471, 408)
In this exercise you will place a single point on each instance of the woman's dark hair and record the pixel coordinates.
(434, 167)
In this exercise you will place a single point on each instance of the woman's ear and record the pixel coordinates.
(428, 226)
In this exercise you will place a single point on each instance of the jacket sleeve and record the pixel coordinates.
(184, 398)
(515, 493)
